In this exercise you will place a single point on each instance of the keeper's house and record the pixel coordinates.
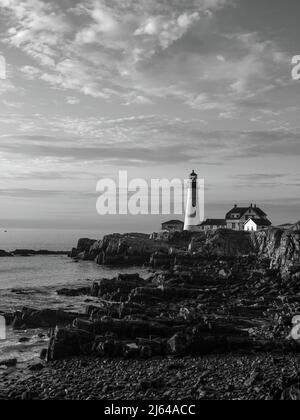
(213, 224)
(173, 226)
(247, 218)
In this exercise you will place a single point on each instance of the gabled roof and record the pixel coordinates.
(260, 222)
(214, 222)
(259, 212)
(173, 222)
(242, 210)
(237, 210)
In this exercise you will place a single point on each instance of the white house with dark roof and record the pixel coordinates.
(237, 218)
(250, 218)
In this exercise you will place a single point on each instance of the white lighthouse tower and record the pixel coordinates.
(192, 211)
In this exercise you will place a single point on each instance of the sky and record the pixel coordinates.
(154, 87)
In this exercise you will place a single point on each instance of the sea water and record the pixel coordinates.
(33, 281)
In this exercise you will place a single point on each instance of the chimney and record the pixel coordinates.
(235, 206)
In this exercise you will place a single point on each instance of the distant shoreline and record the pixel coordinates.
(31, 253)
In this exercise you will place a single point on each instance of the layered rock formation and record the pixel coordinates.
(223, 243)
(281, 246)
(45, 318)
(129, 249)
(217, 306)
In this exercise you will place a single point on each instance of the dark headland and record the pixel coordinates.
(31, 253)
(212, 320)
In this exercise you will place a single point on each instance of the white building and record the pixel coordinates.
(254, 225)
(238, 216)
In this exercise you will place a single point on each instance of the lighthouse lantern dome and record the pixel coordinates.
(193, 175)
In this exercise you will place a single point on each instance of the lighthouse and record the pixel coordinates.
(192, 211)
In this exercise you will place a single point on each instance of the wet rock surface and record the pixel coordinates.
(218, 306)
(46, 318)
(213, 324)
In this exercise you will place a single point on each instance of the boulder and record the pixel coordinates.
(110, 348)
(113, 289)
(37, 367)
(82, 250)
(119, 288)
(177, 344)
(9, 363)
(46, 318)
(74, 292)
(66, 343)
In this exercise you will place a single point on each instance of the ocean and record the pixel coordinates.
(49, 239)
(33, 281)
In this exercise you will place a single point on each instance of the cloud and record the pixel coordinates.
(101, 48)
(103, 23)
(260, 177)
(38, 28)
(166, 30)
(26, 193)
(46, 175)
(150, 140)
(139, 53)
(72, 101)
(6, 86)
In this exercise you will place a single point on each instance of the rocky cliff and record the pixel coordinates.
(130, 249)
(281, 246)
(223, 243)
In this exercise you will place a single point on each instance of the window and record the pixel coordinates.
(233, 225)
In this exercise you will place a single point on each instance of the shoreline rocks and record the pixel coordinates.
(280, 246)
(45, 318)
(32, 253)
(223, 305)
(203, 304)
(214, 318)
(5, 254)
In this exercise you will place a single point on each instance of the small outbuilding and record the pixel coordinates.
(254, 225)
(173, 226)
(213, 224)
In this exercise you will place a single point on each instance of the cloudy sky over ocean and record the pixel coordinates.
(155, 87)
